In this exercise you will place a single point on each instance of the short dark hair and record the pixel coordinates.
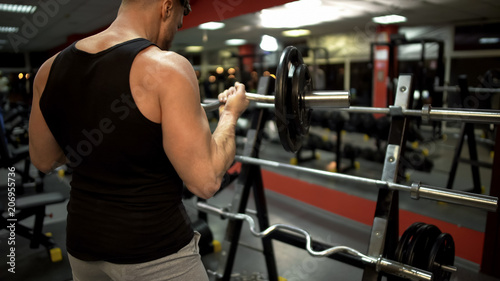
(187, 7)
(184, 3)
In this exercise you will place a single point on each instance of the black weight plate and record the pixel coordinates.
(295, 134)
(442, 253)
(290, 59)
(301, 87)
(295, 98)
(421, 245)
(405, 240)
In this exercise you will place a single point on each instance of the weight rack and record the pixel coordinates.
(384, 233)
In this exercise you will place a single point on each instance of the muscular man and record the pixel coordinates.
(125, 114)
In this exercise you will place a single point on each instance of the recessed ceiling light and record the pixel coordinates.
(298, 14)
(296, 32)
(212, 25)
(269, 43)
(194, 49)
(236, 42)
(15, 8)
(389, 19)
(8, 29)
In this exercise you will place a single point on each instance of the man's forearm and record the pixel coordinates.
(225, 143)
(47, 162)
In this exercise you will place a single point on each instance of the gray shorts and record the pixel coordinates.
(184, 265)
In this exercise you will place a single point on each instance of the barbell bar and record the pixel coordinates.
(380, 263)
(435, 114)
(426, 113)
(333, 99)
(416, 190)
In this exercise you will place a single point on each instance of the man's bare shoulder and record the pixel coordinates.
(165, 75)
(165, 61)
(42, 75)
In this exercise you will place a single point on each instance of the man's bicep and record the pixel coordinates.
(186, 133)
(45, 152)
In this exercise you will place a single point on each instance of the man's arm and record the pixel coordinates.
(200, 158)
(45, 153)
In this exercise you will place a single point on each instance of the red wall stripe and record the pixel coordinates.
(468, 242)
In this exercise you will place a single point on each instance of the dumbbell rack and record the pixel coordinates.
(384, 234)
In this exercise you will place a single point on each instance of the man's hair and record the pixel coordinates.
(187, 7)
(184, 3)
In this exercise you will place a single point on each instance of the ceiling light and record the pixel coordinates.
(212, 25)
(490, 40)
(236, 42)
(389, 19)
(304, 13)
(298, 14)
(269, 43)
(296, 32)
(15, 8)
(8, 29)
(304, 4)
(194, 49)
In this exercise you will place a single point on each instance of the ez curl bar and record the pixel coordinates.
(380, 263)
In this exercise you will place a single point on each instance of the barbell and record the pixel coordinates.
(320, 99)
(293, 117)
(294, 100)
(416, 190)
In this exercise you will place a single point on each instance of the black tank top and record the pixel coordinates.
(126, 198)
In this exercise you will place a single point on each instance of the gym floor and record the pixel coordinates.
(293, 263)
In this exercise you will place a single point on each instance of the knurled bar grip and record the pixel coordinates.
(381, 264)
(417, 191)
(335, 99)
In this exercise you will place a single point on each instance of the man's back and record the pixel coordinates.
(119, 165)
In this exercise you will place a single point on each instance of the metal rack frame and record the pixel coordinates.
(384, 233)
